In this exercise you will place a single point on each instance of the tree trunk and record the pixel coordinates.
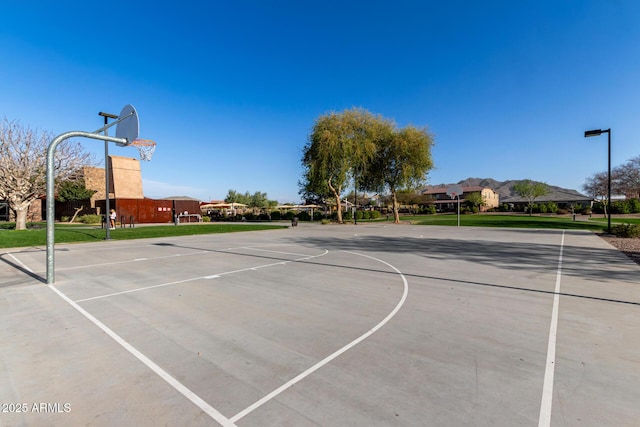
(396, 213)
(336, 194)
(78, 210)
(21, 215)
(339, 208)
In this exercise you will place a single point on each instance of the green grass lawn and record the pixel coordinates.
(68, 233)
(508, 221)
(614, 220)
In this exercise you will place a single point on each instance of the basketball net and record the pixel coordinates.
(146, 147)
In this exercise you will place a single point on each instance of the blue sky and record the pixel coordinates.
(230, 89)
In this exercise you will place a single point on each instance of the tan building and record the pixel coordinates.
(125, 182)
(444, 202)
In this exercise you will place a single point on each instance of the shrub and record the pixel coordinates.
(586, 211)
(562, 211)
(65, 218)
(626, 230)
(429, 210)
(598, 207)
(304, 216)
(552, 207)
(634, 205)
(206, 218)
(90, 219)
(620, 207)
(325, 221)
(276, 216)
(375, 214)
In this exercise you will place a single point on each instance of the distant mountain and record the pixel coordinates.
(504, 188)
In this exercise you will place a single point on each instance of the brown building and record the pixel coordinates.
(125, 196)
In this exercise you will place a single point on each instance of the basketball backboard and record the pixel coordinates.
(129, 127)
(454, 190)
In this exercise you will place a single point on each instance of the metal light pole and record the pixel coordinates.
(598, 132)
(107, 224)
(355, 200)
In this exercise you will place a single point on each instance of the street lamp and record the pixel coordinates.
(106, 116)
(598, 132)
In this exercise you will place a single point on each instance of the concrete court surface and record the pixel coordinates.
(355, 325)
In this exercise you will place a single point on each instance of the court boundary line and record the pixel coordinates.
(547, 387)
(547, 395)
(20, 263)
(177, 385)
(335, 354)
(201, 403)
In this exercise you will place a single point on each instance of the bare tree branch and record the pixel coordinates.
(23, 165)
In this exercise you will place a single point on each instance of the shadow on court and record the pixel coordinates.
(536, 257)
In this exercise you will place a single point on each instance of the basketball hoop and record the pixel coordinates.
(146, 147)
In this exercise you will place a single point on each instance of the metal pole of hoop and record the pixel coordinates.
(125, 134)
(51, 149)
(107, 223)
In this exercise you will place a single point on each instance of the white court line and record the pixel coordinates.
(211, 276)
(21, 263)
(186, 392)
(253, 248)
(329, 358)
(547, 388)
(142, 289)
(102, 264)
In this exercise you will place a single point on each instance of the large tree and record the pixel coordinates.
(258, 201)
(23, 166)
(340, 147)
(474, 200)
(402, 161)
(596, 186)
(626, 178)
(234, 196)
(530, 190)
